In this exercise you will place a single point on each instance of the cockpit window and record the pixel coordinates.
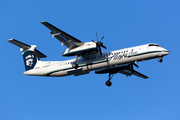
(154, 45)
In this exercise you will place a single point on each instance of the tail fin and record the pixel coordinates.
(30, 54)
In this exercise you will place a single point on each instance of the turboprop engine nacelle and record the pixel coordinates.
(85, 48)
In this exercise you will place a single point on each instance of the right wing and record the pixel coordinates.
(66, 39)
(130, 72)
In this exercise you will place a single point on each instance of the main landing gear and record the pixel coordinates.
(108, 82)
(75, 65)
(160, 60)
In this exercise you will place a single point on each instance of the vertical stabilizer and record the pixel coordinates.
(30, 54)
(30, 58)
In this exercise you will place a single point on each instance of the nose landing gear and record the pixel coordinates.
(160, 60)
(108, 82)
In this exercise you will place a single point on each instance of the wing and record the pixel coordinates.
(129, 72)
(66, 39)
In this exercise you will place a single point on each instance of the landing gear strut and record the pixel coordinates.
(160, 59)
(108, 82)
(75, 65)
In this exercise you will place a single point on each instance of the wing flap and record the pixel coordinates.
(125, 73)
(61, 39)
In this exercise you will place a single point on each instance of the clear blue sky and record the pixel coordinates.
(124, 24)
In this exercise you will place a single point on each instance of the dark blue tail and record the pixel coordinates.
(30, 59)
(30, 54)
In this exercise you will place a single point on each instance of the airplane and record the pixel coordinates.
(89, 57)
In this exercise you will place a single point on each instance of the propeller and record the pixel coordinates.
(99, 44)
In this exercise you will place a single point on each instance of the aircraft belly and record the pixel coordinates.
(97, 66)
(35, 72)
(59, 74)
(52, 70)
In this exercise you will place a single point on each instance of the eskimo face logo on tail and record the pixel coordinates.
(30, 60)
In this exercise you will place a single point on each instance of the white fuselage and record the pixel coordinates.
(93, 61)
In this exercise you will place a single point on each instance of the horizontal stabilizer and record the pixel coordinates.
(25, 46)
(19, 44)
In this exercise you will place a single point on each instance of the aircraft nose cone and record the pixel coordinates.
(167, 52)
(99, 44)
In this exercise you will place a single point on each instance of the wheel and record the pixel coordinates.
(160, 59)
(108, 83)
(75, 65)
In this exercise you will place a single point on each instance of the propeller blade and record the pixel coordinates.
(93, 41)
(102, 38)
(136, 65)
(104, 46)
(100, 51)
(97, 37)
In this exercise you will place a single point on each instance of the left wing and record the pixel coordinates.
(66, 39)
(129, 72)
